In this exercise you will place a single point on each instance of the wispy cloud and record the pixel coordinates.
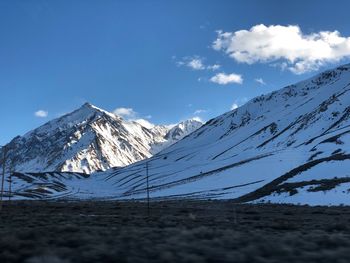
(260, 81)
(196, 63)
(308, 52)
(204, 26)
(214, 67)
(41, 113)
(224, 79)
(199, 111)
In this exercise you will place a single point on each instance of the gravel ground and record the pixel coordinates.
(181, 231)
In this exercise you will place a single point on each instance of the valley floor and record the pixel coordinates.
(181, 231)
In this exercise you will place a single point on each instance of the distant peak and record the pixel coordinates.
(194, 119)
(87, 105)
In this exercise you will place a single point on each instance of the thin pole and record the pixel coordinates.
(3, 175)
(10, 182)
(147, 180)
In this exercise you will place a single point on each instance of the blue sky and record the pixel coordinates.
(163, 61)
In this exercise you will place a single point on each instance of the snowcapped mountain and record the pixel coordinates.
(182, 129)
(291, 146)
(87, 140)
(174, 133)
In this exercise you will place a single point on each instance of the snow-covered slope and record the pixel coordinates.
(86, 140)
(292, 145)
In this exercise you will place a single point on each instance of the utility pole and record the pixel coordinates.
(3, 175)
(147, 180)
(10, 180)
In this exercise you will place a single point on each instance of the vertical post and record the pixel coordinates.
(147, 180)
(3, 175)
(10, 180)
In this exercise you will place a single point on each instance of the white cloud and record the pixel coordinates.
(125, 112)
(144, 123)
(238, 102)
(197, 63)
(130, 115)
(223, 79)
(286, 45)
(260, 81)
(199, 111)
(41, 113)
(197, 119)
(234, 106)
(214, 67)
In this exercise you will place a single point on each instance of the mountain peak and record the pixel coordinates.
(193, 120)
(182, 129)
(87, 109)
(88, 105)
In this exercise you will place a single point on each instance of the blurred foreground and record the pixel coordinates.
(181, 231)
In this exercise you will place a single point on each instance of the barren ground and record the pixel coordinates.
(181, 231)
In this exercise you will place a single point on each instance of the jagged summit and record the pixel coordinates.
(87, 109)
(183, 128)
(87, 106)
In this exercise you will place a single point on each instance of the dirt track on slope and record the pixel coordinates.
(181, 231)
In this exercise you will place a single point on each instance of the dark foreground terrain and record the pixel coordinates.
(174, 232)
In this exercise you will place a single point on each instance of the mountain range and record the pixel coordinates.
(289, 146)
